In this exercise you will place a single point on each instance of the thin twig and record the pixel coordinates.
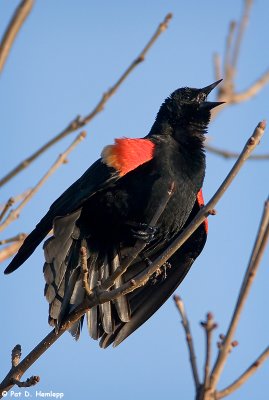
(245, 376)
(227, 55)
(245, 288)
(10, 250)
(19, 16)
(217, 66)
(18, 238)
(209, 325)
(32, 381)
(186, 325)
(80, 122)
(6, 207)
(252, 90)
(14, 214)
(91, 301)
(84, 270)
(17, 198)
(241, 30)
(226, 91)
(233, 154)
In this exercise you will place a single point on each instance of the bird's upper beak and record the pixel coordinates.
(210, 104)
(209, 88)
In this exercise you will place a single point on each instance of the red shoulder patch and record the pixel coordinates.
(201, 203)
(127, 154)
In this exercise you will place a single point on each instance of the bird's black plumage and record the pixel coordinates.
(104, 210)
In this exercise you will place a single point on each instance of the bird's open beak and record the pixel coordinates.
(210, 104)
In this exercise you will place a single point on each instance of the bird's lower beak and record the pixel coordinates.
(208, 105)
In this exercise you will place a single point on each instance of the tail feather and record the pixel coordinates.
(92, 314)
(105, 308)
(121, 302)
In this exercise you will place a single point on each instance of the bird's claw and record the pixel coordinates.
(144, 232)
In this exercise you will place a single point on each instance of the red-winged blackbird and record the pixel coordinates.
(112, 204)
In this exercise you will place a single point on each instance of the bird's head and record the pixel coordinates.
(188, 106)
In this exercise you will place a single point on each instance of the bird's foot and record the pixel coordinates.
(144, 232)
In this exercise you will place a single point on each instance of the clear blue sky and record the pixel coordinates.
(67, 54)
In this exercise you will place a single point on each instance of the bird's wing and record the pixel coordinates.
(116, 161)
(145, 301)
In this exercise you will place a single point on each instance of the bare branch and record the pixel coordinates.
(17, 238)
(240, 34)
(80, 122)
(217, 66)
(16, 198)
(10, 250)
(228, 48)
(186, 325)
(252, 90)
(6, 207)
(32, 381)
(21, 13)
(233, 154)
(245, 376)
(250, 274)
(16, 355)
(209, 325)
(14, 214)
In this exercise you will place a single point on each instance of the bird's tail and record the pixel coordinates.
(62, 271)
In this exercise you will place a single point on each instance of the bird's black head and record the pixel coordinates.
(186, 108)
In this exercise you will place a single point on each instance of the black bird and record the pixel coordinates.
(112, 204)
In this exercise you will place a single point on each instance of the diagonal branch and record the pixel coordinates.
(252, 90)
(245, 376)
(6, 207)
(80, 122)
(141, 279)
(20, 15)
(257, 253)
(14, 214)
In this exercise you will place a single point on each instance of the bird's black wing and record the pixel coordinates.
(96, 178)
(145, 301)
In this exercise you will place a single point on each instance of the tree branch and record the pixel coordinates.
(233, 154)
(6, 207)
(186, 325)
(240, 34)
(250, 274)
(252, 90)
(14, 214)
(245, 376)
(10, 250)
(79, 122)
(209, 325)
(226, 91)
(19, 16)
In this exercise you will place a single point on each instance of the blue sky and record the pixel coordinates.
(67, 54)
